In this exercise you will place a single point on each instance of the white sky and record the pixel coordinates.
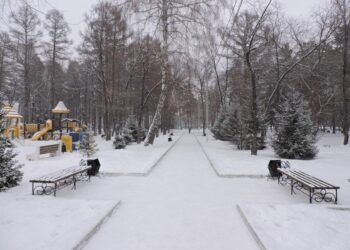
(74, 11)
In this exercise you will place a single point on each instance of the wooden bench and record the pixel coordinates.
(51, 149)
(50, 183)
(317, 189)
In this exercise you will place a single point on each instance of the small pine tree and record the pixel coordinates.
(130, 132)
(88, 146)
(127, 135)
(229, 127)
(119, 142)
(295, 135)
(10, 174)
(217, 128)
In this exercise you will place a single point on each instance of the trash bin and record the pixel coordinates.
(273, 165)
(95, 166)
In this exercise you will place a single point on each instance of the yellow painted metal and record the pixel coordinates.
(67, 141)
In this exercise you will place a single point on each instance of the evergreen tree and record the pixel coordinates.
(229, 127)
(217, 128)
(119, 142)
(127, 136)
(10, 174)
(88, 146)
(295, 135)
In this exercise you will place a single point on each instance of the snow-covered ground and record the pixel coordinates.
(300, 226)
(330, 164)
(46, 222)
(182, 203)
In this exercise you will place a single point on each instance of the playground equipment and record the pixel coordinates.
(60, 109)
(12, 123)
(43, 132)
(71, 125)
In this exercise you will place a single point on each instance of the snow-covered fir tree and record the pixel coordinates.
(119, 142)
(229, 127)
(10, 174)
(129, 132)
(218, 125)
(295, 135)
(127, 135)
(88, 146)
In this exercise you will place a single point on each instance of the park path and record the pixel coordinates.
(182, 204)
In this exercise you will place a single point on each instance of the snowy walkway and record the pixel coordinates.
(181, 205)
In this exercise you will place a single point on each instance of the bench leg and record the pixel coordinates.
(55, 188)
(32, 188)
(74, 183)
(291, 187)
(336, 197)
(310, 197)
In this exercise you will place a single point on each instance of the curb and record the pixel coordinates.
(208, 158)
(253, 176)
(162, 156)
(110, 174)
(84, 241)
(250, 228)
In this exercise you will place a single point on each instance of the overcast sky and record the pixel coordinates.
(74, 11)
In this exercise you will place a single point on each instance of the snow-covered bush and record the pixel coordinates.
(10, 174)
(88, 146)
(119, 142)
(127, 135)
(295, 135)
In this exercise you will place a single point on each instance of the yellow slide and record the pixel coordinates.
(39, 134)
(43, 132)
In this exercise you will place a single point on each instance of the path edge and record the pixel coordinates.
(148, 171)
(250, 228)
(254, 176)
(85, 240)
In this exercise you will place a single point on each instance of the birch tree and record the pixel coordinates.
(173, 20)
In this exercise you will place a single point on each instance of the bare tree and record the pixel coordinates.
(24, 32)
(344, 16)
(56, 48)
(174, 19)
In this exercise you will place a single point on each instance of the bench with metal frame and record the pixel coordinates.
(50, 183)
(317, 189)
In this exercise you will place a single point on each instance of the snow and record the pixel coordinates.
(330, 164)
(47, 222)
(60, 107)
(181, 204)
(300, 226)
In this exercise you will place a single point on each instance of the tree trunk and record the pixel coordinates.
(344, 81)
(165, 76)
(254, 108)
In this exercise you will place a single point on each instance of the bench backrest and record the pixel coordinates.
(48, 149)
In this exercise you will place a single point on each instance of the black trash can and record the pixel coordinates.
(273, 165)
(95, 166)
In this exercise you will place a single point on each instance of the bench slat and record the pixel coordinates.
(306, 179)
(47, 149)
(292, 175)
(61, 174)
(318, 183)
(317, 180)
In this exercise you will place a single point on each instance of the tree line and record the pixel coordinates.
(201, 59)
